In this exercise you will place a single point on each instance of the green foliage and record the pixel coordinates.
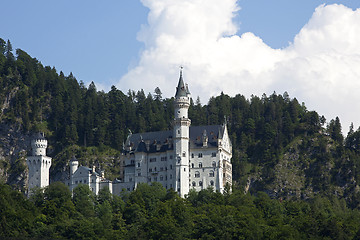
(152, 213)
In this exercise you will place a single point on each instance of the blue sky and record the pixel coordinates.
(96, 40)
(266, 46)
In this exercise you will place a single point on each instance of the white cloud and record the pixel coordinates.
(320, 67)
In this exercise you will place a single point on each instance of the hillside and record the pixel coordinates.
(278, 145)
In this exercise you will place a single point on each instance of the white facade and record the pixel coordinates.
(182, 159)
(39, 164)
(87, 176)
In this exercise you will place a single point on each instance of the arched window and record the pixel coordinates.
(211, 173)
(212, 183)
(194, 184)
(200, 164)
(200, 183)
(197, 174)
(214, 164)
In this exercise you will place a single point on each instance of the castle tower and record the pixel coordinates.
(39, 164)
(181, 137)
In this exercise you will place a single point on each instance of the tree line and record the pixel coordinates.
(152, 212)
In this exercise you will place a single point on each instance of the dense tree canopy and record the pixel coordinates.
(151, 212)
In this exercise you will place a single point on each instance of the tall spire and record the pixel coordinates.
(181, 90)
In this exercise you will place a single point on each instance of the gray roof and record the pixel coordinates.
(163, 140)
(212, 132)
(181, 89)
(39, 136)
(87, 169)
(73, 158)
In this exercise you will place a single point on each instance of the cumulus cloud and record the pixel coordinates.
(320, 67)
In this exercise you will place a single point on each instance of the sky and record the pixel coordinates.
(308, 48)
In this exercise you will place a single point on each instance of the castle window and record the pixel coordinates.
(161, 178)
(194, 184)
(150, 169)
(200, 155)
(163, 159)
(138, 164)
(132, 162)
(212, 183)
(155, 169)
(200, 164)
(152, 159)
(192, 165)
(170, 176)
(214, 164)
(165, 177)
(178, 131)
(213, 154)
(130, 179)
(192, 155)
(184, 169)
(155, 179)
(200, 183)
(170, 166)
(197, 174)
(211, 174)
(171, 157)
(161, 169)
(76, 182)
(139, 174)
(184, 154)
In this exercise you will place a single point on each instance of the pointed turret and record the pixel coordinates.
(181, 137)
(182, 89)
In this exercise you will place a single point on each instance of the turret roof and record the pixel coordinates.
(181, 89)
(39, 135)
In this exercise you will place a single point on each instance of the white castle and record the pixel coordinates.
(39, 164)
(186, 157)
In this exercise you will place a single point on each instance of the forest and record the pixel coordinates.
(151, 212)
(295, 174)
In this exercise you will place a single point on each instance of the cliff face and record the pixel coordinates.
(14, 146)
(307, 167)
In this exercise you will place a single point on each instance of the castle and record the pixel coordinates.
(186, 157)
